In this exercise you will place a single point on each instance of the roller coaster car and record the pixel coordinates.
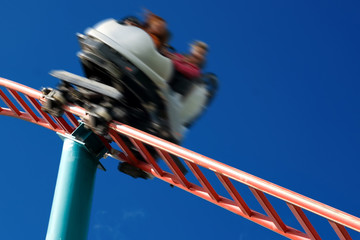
(129, 81)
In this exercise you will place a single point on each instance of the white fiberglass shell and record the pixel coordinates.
(137, 46)
(193, 103)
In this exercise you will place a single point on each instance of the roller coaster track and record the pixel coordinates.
(23, 102)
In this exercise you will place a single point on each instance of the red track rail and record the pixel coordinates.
(128, 139)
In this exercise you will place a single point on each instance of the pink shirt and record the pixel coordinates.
(186, 68)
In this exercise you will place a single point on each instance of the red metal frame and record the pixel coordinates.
(129, 139)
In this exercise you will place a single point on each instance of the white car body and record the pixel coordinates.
(137, 47)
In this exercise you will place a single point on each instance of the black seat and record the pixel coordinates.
(181, 84)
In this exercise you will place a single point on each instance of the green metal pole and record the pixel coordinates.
(70, 212)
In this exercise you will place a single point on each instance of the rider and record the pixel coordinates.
(189, 65)
(154, 25)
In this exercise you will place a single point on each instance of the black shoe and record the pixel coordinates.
(133, 171)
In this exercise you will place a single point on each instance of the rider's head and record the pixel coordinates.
(131, 21)
(198, 52)
(155, 24)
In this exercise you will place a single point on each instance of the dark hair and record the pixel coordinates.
(131, 19)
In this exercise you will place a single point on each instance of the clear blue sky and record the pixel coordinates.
(287, 111)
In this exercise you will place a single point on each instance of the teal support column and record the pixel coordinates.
(71, 208)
